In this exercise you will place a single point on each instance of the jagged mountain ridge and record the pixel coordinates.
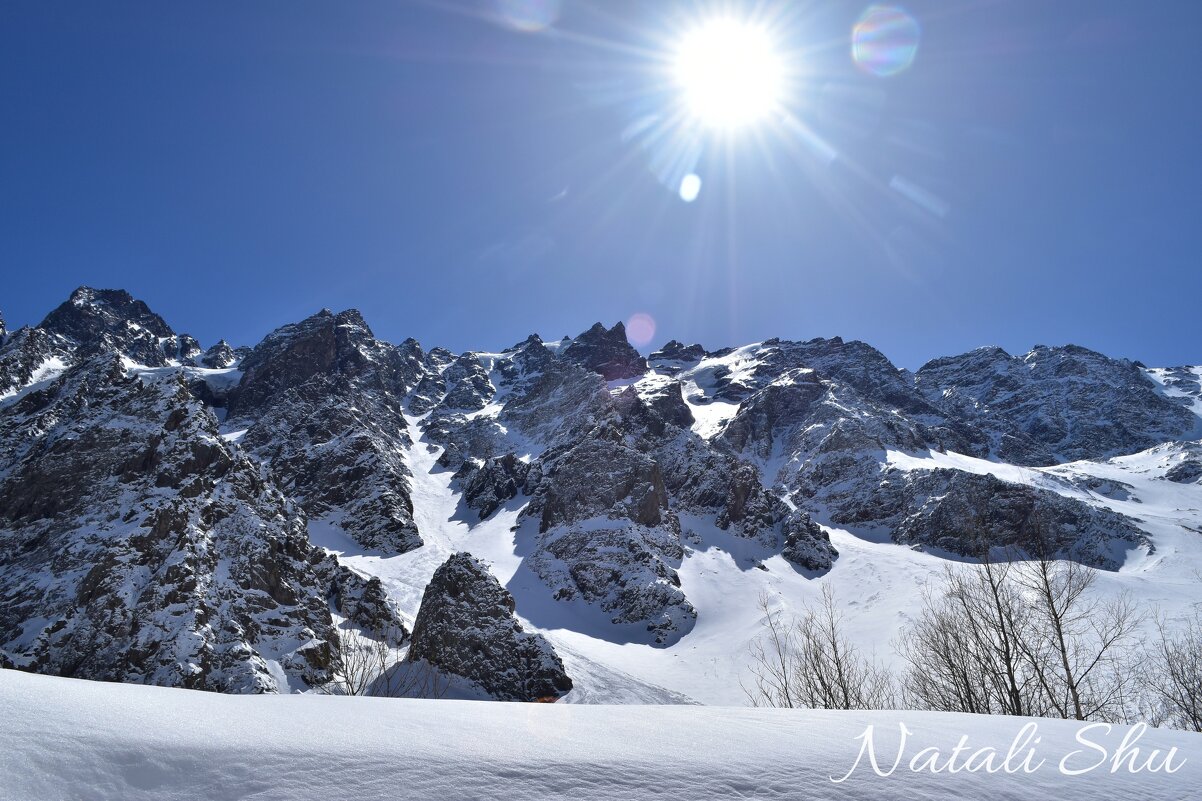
(617, 464)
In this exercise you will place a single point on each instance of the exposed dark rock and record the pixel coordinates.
(26, 355)
(108, 320)
(1186, 472)
(607, 353)
(465, 626)
(667, 401)
(362, 600)
(966, 512)
(599, 477)
(678, 352)
(1108, 488)
(807, 545)
(607, 534)
(486, 486)
(468, 387)
(620, 569)
(139, 544)
(553, 401)
(180, 349)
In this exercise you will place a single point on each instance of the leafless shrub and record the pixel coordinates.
(1175, 657)
(809, 662)
(372, 666)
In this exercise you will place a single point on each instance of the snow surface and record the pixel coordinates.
(1180, 384)
(70, 739)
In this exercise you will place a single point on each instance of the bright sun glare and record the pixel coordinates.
(729, 72)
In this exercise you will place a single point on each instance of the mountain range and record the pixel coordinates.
(559, 519)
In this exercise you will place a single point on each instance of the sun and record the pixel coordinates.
(729, 73)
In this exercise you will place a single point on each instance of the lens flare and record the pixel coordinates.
(690, 187)
(920, 196)
(529, 16)
(640, 329)
(885, 40)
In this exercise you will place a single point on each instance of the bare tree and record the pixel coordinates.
(405, 679)
(1080, 646)
(949, 653)
(809, 662)
(772, 657)
(1024, 636)
(1175, 657)
(373, 666)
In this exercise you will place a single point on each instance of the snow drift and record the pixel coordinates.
(69, 739)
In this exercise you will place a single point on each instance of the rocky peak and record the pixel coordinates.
(351, 318)
(988, 355)
(119, 502)
(110, 320)
(321, 403)
(323, 344)
(533, 339)
(607, 353)
(678, 352)
(465, 626)
(219, 356)
(95, 307)
(855, 363)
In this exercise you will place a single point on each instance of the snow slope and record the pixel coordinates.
(69, 739)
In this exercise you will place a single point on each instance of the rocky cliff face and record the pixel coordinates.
(466, 626)
(155, 497)
(1054, 404)
(321, 404)
(139, 547)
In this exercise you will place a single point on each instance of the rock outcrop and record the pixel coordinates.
(465, 626)
(1054, 404)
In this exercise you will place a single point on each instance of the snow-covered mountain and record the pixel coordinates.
(214, 518)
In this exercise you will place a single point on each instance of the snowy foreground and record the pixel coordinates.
(69, 739)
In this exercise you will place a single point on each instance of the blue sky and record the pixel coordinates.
(1033, 177)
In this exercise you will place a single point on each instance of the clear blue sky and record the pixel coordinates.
(241, 165)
